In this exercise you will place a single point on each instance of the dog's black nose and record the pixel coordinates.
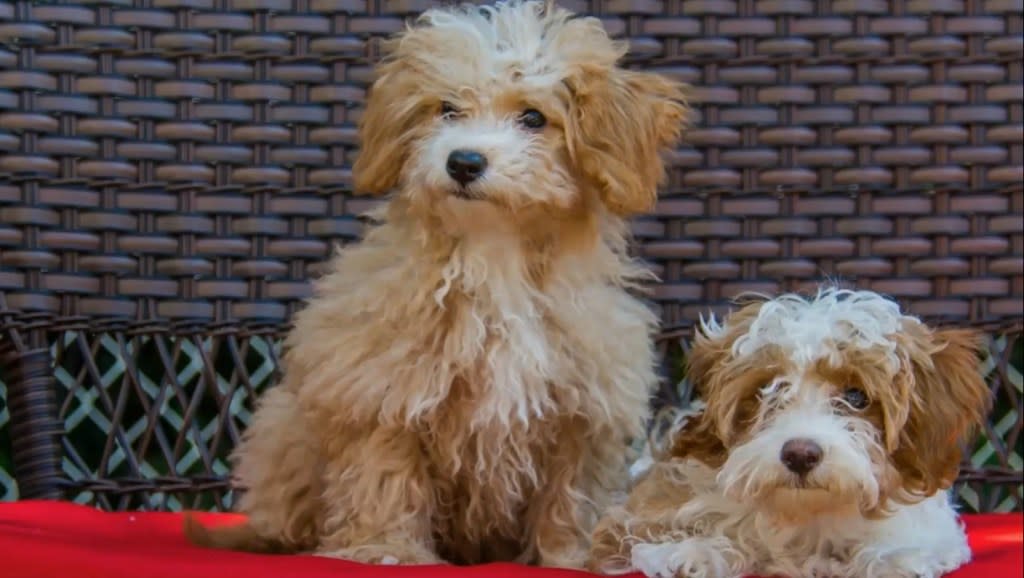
(466, 166)
(800, 455)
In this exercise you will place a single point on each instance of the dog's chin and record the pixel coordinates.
(796, 502)
(463, 193)
(796, 499)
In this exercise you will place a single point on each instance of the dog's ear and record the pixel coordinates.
(728, 386)
(701, 437)
(387, 129)
(698, 439)
(948, 400)
(622, 121)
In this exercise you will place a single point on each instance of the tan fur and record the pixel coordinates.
(622, 120)
(949, 402)
(465, 382)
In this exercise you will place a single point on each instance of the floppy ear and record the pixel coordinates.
(949, 399)
(700, 437)
(622, 122)
(387, 129)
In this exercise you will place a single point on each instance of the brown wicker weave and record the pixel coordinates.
(173, 171)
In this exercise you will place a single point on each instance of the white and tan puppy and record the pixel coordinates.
(830, 437)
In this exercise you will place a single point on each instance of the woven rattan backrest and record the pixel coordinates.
(172, 172)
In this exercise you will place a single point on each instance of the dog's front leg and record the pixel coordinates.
(626, 542)
(378, 499)
(650, 534)
(562, 513)
(922, 540)
(558, 534)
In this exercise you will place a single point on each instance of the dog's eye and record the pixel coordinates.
(856, 398)
(448, 110)
(532, 118)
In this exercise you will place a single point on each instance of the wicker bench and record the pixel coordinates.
(173, 172)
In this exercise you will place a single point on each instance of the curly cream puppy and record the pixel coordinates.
(831, 432)
(464, 384)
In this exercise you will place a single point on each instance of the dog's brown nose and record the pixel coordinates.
(800, 455)
(466, 166)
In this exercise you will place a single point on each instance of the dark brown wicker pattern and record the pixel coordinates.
(183, 165)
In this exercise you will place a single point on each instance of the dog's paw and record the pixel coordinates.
(920, 564)
(691, 558)
(384, 554)
(575, 558)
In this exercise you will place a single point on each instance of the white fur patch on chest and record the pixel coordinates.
(500, 337)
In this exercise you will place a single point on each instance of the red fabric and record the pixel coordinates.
(59, 540)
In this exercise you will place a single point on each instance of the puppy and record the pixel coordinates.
(830, 435)
(465, 382)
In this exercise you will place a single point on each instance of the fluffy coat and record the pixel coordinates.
(465, 383)
(884, 400)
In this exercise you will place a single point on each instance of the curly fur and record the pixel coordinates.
(721, 504)
(464, 384)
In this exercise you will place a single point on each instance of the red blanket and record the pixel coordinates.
(61, 540)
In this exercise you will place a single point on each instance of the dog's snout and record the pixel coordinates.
(801, 455)
(466, 166)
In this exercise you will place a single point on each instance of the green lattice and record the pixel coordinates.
(146, 408)
(8, 487)
(200, 391)
(1003, 446)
